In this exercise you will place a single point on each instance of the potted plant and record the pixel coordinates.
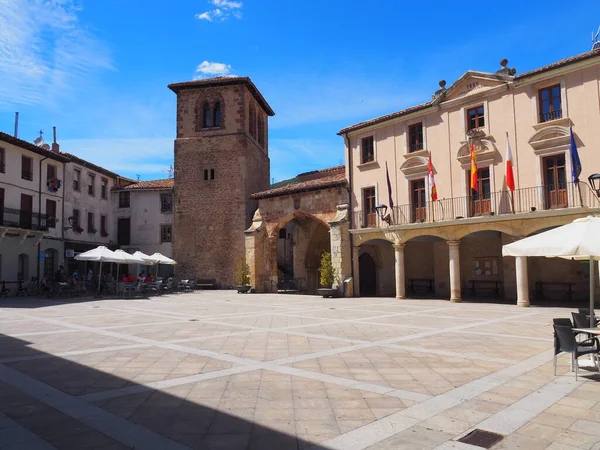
(242, 276)
(326, 276)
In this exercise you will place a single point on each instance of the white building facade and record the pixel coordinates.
(144, 219)
(31, 210)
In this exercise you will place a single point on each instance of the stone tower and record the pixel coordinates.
(221, 158)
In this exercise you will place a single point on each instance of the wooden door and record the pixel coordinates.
(50, 213)
(26, 214)
(481, 202)
(555, 182)
(370, 214)
(418, 200)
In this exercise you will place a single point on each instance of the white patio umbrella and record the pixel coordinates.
(579, 240)
(162, 259)
(148, 261)
(129, 259)
(100, 254)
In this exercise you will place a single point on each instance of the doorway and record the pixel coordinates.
(368, 275)
(555, 182)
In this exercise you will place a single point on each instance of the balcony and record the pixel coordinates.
(550, 115)
(501, 203)
(23, 220)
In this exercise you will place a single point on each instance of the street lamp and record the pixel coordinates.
(72, 222)
(381, 212)
(594, 181)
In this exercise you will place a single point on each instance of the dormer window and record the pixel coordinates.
(475, 118)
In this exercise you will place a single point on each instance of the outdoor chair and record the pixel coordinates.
(586, 312)
(168, 287)
(565, 342)
(581, 321)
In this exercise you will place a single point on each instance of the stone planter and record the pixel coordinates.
(243, 289)
(327, 292)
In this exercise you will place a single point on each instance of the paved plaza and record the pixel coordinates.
(218, 370)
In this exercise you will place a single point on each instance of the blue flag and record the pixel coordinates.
(389, 186)
(575, 162)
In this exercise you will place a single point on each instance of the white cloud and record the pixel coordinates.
(45, 52)
(204, 16)
(223, 11)
(212, 69)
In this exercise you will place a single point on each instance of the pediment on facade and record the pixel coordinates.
(473, 83)
(485, 152)
(415, 165)
(550, 137)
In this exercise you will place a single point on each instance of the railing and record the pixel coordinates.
(551, 115)
(525, 200)
(17, 218)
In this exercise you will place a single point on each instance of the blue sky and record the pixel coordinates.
(98, 70)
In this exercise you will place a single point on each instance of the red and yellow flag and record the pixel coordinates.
(432, 187)
(474, 179)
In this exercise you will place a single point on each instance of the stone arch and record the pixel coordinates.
(295, 215)
(499, 227)
(379, 264)
(415, 165)
(485, 151)
(549, 137)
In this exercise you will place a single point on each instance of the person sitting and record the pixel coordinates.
(45, 283)
(148, 279)
(141, 277)
(124, 278)
(131, 279)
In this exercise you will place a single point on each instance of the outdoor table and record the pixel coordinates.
(588, 330)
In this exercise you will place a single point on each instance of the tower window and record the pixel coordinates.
(261, 130)
(212, 174)
(217, 115)
(206, 116)
(252, 121)
(205, 174)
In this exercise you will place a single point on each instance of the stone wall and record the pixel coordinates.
(211, 215)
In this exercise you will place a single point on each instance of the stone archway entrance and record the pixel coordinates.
(297, 248)
(368, 275)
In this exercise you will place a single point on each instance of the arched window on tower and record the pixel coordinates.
(261, 130)
(206, 174)
(212, 174)
(206, 123)
(217, 115)
(252, 121)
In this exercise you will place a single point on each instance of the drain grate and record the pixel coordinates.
(193, 320)
(481, 438)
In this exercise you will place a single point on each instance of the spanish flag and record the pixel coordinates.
(474, 179)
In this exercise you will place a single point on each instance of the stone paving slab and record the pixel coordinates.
(214, 369)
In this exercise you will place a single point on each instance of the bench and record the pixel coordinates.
(486, 285)
(564, 287)
(206, 283)
(427, 284)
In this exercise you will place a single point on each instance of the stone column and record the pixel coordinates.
(522, 281)
(454, 250)
(339, 235)
(400, 274)
(355, 268)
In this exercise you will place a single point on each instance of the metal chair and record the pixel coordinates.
(565, 342)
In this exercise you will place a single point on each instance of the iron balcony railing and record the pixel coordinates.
(551, 115)
(525, 200)
(18, 218)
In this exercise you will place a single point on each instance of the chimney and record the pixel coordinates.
(16, 124)
(55, 146)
